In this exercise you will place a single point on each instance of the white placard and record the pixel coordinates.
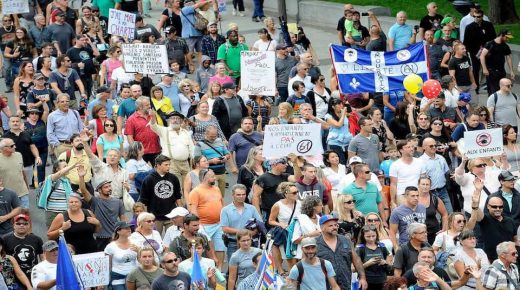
(93, 269)
(483, 143)
(257, 73)
(15, 6)
(145, 58)
(300, 139)
(121, 23)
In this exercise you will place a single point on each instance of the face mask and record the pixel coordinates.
(80, 147)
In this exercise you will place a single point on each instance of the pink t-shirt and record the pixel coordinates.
(111, 65)
(221, 81)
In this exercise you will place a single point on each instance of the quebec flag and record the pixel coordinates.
(360, 70)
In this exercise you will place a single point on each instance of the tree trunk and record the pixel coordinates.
(503, 12)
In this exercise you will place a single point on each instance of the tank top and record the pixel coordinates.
(285, 211)
(194, 179)
(81, 234)
(432, 224)
(24, 90)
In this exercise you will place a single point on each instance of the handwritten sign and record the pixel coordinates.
(258, 76)
(145, 58)
(121, 23)
(93, 269)
(300, 139)
(15, 6)
(483, 143)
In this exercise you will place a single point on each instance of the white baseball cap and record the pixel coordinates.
(178, 211)
(355, 159)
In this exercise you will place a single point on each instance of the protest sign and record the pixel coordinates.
(483, 143)
(121, 23)
(257, 72)
(300, 139)
(15, 6)
(93, 269)
(145, 58)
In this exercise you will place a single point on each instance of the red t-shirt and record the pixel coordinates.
(137, 126)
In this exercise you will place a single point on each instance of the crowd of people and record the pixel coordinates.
(141, 163)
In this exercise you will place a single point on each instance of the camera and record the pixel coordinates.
(416, 27)
(364, 14)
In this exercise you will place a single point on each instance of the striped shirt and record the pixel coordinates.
(57, 199)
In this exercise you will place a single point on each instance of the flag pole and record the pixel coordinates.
(264, 266)
(62, 236)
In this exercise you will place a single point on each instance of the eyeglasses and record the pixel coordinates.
(21, 224)
(483, 115)
(349, 201)
(109, 125)
(171, 261)
(294, 192)
(482, 165)
(461, 221)
(437, 123)
(423, 119)
(150, 221)
(478, 16)
(367, 172)
(11, 146)
(372, 220)
(496, 206)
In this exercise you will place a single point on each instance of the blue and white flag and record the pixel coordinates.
(66, 275)
(197, 277)
(360, 70)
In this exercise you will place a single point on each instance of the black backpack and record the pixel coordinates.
(299, 266)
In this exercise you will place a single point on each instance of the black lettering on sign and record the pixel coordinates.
(304, 146)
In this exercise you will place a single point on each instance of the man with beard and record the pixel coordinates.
(181, 245)
(229, 54)
(77, 155)
(243, 140)
(206, 201)
(82, 60)
(211, 42)
(64, 80)
(171, 278)
(319, 272)
(497, 226)
(336, 248)
(176, 143)
(23, 245)
(138, 129)
(108, 210)
(435, 54)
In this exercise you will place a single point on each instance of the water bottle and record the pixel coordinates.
(355, 282)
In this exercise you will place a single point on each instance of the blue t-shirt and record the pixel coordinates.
(401, 35)
(241, 146)
(66, 83)
(385, 167)
(127, 108)
(402, 216)
(188, 20)
(313, 277)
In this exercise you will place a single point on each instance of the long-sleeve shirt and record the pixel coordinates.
(176, 145)
(61, 125)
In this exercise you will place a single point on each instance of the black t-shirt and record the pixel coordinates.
(181, 281)
(341, 25)
(34, 95)
(376, 45)
(23, 145)
(6, 36)
(374, 273)
(25, 51)
(412, 280)
(496, 56)
(462, 68)
(25, 251)
(269, 182)
(496, 232)
(173, 20)
(84, 55)
(431, 22)
(129, 6)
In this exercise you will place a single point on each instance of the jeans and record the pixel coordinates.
(24, 201)
(442, 193)
(283, 94)
(231, 248)
(41, 168)
(259, 8)
(388, 116)
(146, 7)
(135, 196)
(15, 68)
(8, 73)
(87, 83)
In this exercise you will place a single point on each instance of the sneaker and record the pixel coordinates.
(255, 19)
(234, 12)
(241, 14)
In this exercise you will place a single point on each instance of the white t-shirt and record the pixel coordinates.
(304, 226)
(261, 45)
(335, 177)
(123, 261)
(444, 240)
(42, 272)
(460, 255)
(121, 77)
(154, 240)
(406, 174)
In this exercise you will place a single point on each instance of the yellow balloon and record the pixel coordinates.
(413, 83)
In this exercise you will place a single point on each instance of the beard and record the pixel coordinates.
(175, 126)
(80, 147)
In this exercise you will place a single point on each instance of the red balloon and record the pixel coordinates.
(431, 89)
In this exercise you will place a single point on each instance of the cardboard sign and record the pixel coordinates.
(145, 58)
(300, 139)
(483, 143)
(93, 269)
(121, 23)
(15, 6)
(258, 76)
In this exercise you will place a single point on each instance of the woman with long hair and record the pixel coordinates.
(192, 178)
(135, 164)
(319, 96)
(214, 91)
(161, 105)
(12, 274)
(145, 235)
(334, 171)
(350, 220)
(259, 109)
(251, 169)
(400, 124)
(308, 222)
(485, 117)
(187, 97)
(202, 120)
(282, 213)
(373, 218)
(468, 255)
(380, 128)
(109, 140)
(375, 257)
(241, 261)
(285, 113)
(445, 241)
(109, 65)
(20, 49)
(21, 87)
(171, 16)
(265, 42)
(450, 90)
(434, 206)
(441, 134)
(146, 271)
(339, 135)
(99, 116)
(123, 255)
(511, 147)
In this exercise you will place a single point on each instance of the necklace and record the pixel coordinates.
(9, 29)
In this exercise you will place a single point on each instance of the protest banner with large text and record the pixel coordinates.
(145, 58)
(93, 269)
(300, 139)
(257, 72)
(15, 6)
(121, 23)
(483, 143)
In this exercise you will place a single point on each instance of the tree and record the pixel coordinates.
(503, 12)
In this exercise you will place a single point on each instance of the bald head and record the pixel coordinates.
(348, 6)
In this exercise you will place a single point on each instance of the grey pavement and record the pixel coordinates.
(320, 37)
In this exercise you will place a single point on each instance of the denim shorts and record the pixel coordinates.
(214, 233)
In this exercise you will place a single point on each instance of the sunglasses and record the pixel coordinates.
(437, 123)
(118, 51)
(423, 118)
(21, 224)
(431, 146)
(461, 221)
(367, 172)
(349, 201)
(481, 165)
(109, 125)
(496, 206)
(11, 146)
(372, 220)
(33, 113)
(150, 221)
(171, 261)
(294, 192)
(509, 86)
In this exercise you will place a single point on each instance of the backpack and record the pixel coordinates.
(299, 266)
(384, 250)
(201, 23)
(290, 247)
(495, 99)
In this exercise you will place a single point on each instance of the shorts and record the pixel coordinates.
(24, 201)
(194, 43)
(214, 233)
